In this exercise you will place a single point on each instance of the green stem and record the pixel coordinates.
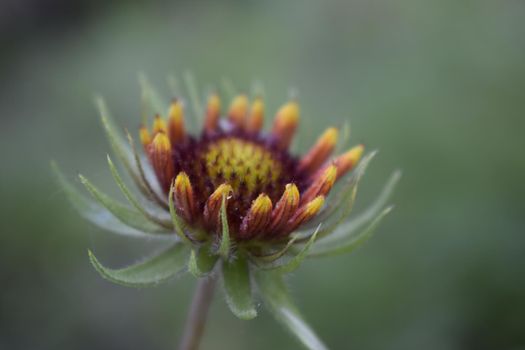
(197, 314)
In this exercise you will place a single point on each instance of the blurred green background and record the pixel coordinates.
(438, 86)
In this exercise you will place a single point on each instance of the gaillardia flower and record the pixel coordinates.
(231, 199)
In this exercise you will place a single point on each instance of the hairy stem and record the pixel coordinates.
(197, 314)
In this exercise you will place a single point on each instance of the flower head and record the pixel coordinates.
(270, 193)
(231, 195)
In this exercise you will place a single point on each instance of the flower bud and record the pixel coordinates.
(348, 160)
(161, 160)
(212, 207)
(285, 208)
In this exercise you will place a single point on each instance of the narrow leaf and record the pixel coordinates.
(201, 261)
(352, 242)
(117, 143)
(276, 297)
(224, 247)
(351, 226)
(147, 273)
(295, 262)
(152, 103)
(269, 258)
(133, 200)
(238, 289)
(97, 214)
(122, 212)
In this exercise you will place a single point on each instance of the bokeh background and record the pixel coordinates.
(438, 86)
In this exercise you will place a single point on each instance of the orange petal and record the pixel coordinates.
(238, 111)
(176, 128)
(257, 218)
(256, 119)
(348, 160)
(161, 160)
(321, 185)
(285, 124)
(305, 213)
(213, 205)
(320, 152)
(184, 197)
(285, 208)
(213, 112)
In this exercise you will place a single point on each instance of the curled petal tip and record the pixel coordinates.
(321, 184)
(213, 112)
(285, 124)
(177, 131)
(184, 197)
(159, 125)
(145, 136)
(306, 212)
(238, 110)
(213, 204)
(348, 160)
(161, 160)
(285, 207)
(258, 216)
(320, 152)
(256, 119)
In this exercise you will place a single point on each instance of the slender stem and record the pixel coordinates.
(197, 314)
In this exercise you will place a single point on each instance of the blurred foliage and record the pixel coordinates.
(435, 85)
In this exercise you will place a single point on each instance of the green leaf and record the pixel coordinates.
(122, 212)
(236, 275)
(117, 143)
(97, 214)
(276, 297)
(201, 261)
(152, 103)
(296, 261)
(133, 200)
(147, 273)
(224, 247)
(347, 229)
(352, 242)
(269, 258)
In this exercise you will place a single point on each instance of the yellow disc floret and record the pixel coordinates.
(244, 164)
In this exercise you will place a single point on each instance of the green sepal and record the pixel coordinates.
(292, 264)
(201, 261)
(352, 242)
(147, 273)
(133, 200)
(346, 231)
(269, 258)
(275, 295)
(122, 212)
(237, 287)
(97, 214)
(152, 103)
(224, 246)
